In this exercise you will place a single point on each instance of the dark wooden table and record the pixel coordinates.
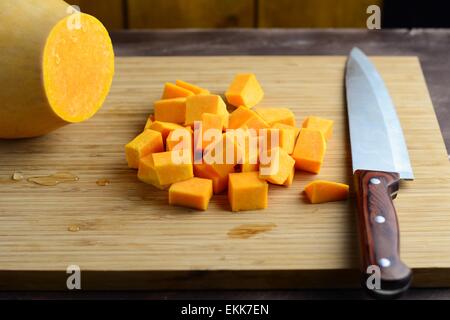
(432, 46)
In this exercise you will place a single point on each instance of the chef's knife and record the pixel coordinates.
(380, 159)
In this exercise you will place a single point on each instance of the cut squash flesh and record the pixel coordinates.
(210, 121)
(321, 191)
(147, 142)
(191, 87)
(164, 168)
(247, 191)
(239, 117)
(243, 117)
(54, 72)
(179, 139)
(290, 179)
(250, 161)
(170, 110)
(193, 193)
(309, 150)
(172, 91)
(164, 127)
(288, 136)
(78, 68)
(201, 170)
(150, 120)
(323, 125)
(279, 168)
(222, 156)
(245, 90)
(276, 115)
(197, 105)
(244, 152)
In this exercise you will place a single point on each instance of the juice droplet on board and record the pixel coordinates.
(54, 179)
(102, 182)
(73, 228)
(17, 176)
(246, 231)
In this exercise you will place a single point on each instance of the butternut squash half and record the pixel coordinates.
(56, 67)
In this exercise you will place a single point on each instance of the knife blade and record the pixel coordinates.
(379, 159)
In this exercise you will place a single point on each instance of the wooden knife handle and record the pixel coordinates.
(379, 232)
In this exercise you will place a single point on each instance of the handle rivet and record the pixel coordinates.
(383, 262)
(375, 181)
(380, 219)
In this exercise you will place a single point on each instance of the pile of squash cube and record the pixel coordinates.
(171, 152)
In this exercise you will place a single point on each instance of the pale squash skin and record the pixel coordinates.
(39, 95)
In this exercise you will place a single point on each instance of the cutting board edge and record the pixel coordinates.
(207, 280)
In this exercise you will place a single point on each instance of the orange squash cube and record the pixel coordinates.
(220, 159)
(290, 179)
(164, 127)
(145, 143)
(200, 104)
(321, 191)
(150, 120)
(245, 90)
(179, 139)
(250, 161)
(309, 150)
(269, 139)
(276, 115)
(193, 193)
(170, 110)
(172, 167)
(219, 183)
(191, 87)
(288, 136)
(205, 138)
(243, 117)
(257, 123)
(323, 125)
(239, 117)
(247, 191)
(210, 121)
(279, 167)
(147, 173)
(165, 167)
(197, 142)
(250, 164)
(222, 156)
(173, 91)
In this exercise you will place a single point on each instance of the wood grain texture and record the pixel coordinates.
(110, 12)
(130, 238)
(314, 13)
(191, 14)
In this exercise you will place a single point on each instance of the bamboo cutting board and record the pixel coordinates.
(124, 234)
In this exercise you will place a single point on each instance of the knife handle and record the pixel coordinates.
(379, 232)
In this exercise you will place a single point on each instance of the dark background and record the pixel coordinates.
(213, 14)
(416, 14)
